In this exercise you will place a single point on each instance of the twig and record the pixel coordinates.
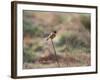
(55, 54)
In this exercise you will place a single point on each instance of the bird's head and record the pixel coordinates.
(55, 32)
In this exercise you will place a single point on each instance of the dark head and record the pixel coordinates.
(55, 31)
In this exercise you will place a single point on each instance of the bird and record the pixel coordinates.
(51, 35)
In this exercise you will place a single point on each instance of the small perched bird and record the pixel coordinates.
(51, 35)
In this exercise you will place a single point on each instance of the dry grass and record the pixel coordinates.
(72, 42)
(68, 60)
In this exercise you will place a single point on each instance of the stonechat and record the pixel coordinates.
(51, 35)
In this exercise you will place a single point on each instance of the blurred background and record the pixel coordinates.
(72, 41)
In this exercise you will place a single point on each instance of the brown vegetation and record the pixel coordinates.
(72, 42)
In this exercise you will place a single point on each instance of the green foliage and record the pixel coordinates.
(62, 19)
(73, 41)
(28, 55)
(62, 41)
(65, 18)
(38, 48)
(32, 29)
(85, 20)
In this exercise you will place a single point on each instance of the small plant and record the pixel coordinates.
(62, 40)
(73, 42)
(28, 55)
(85, 20)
